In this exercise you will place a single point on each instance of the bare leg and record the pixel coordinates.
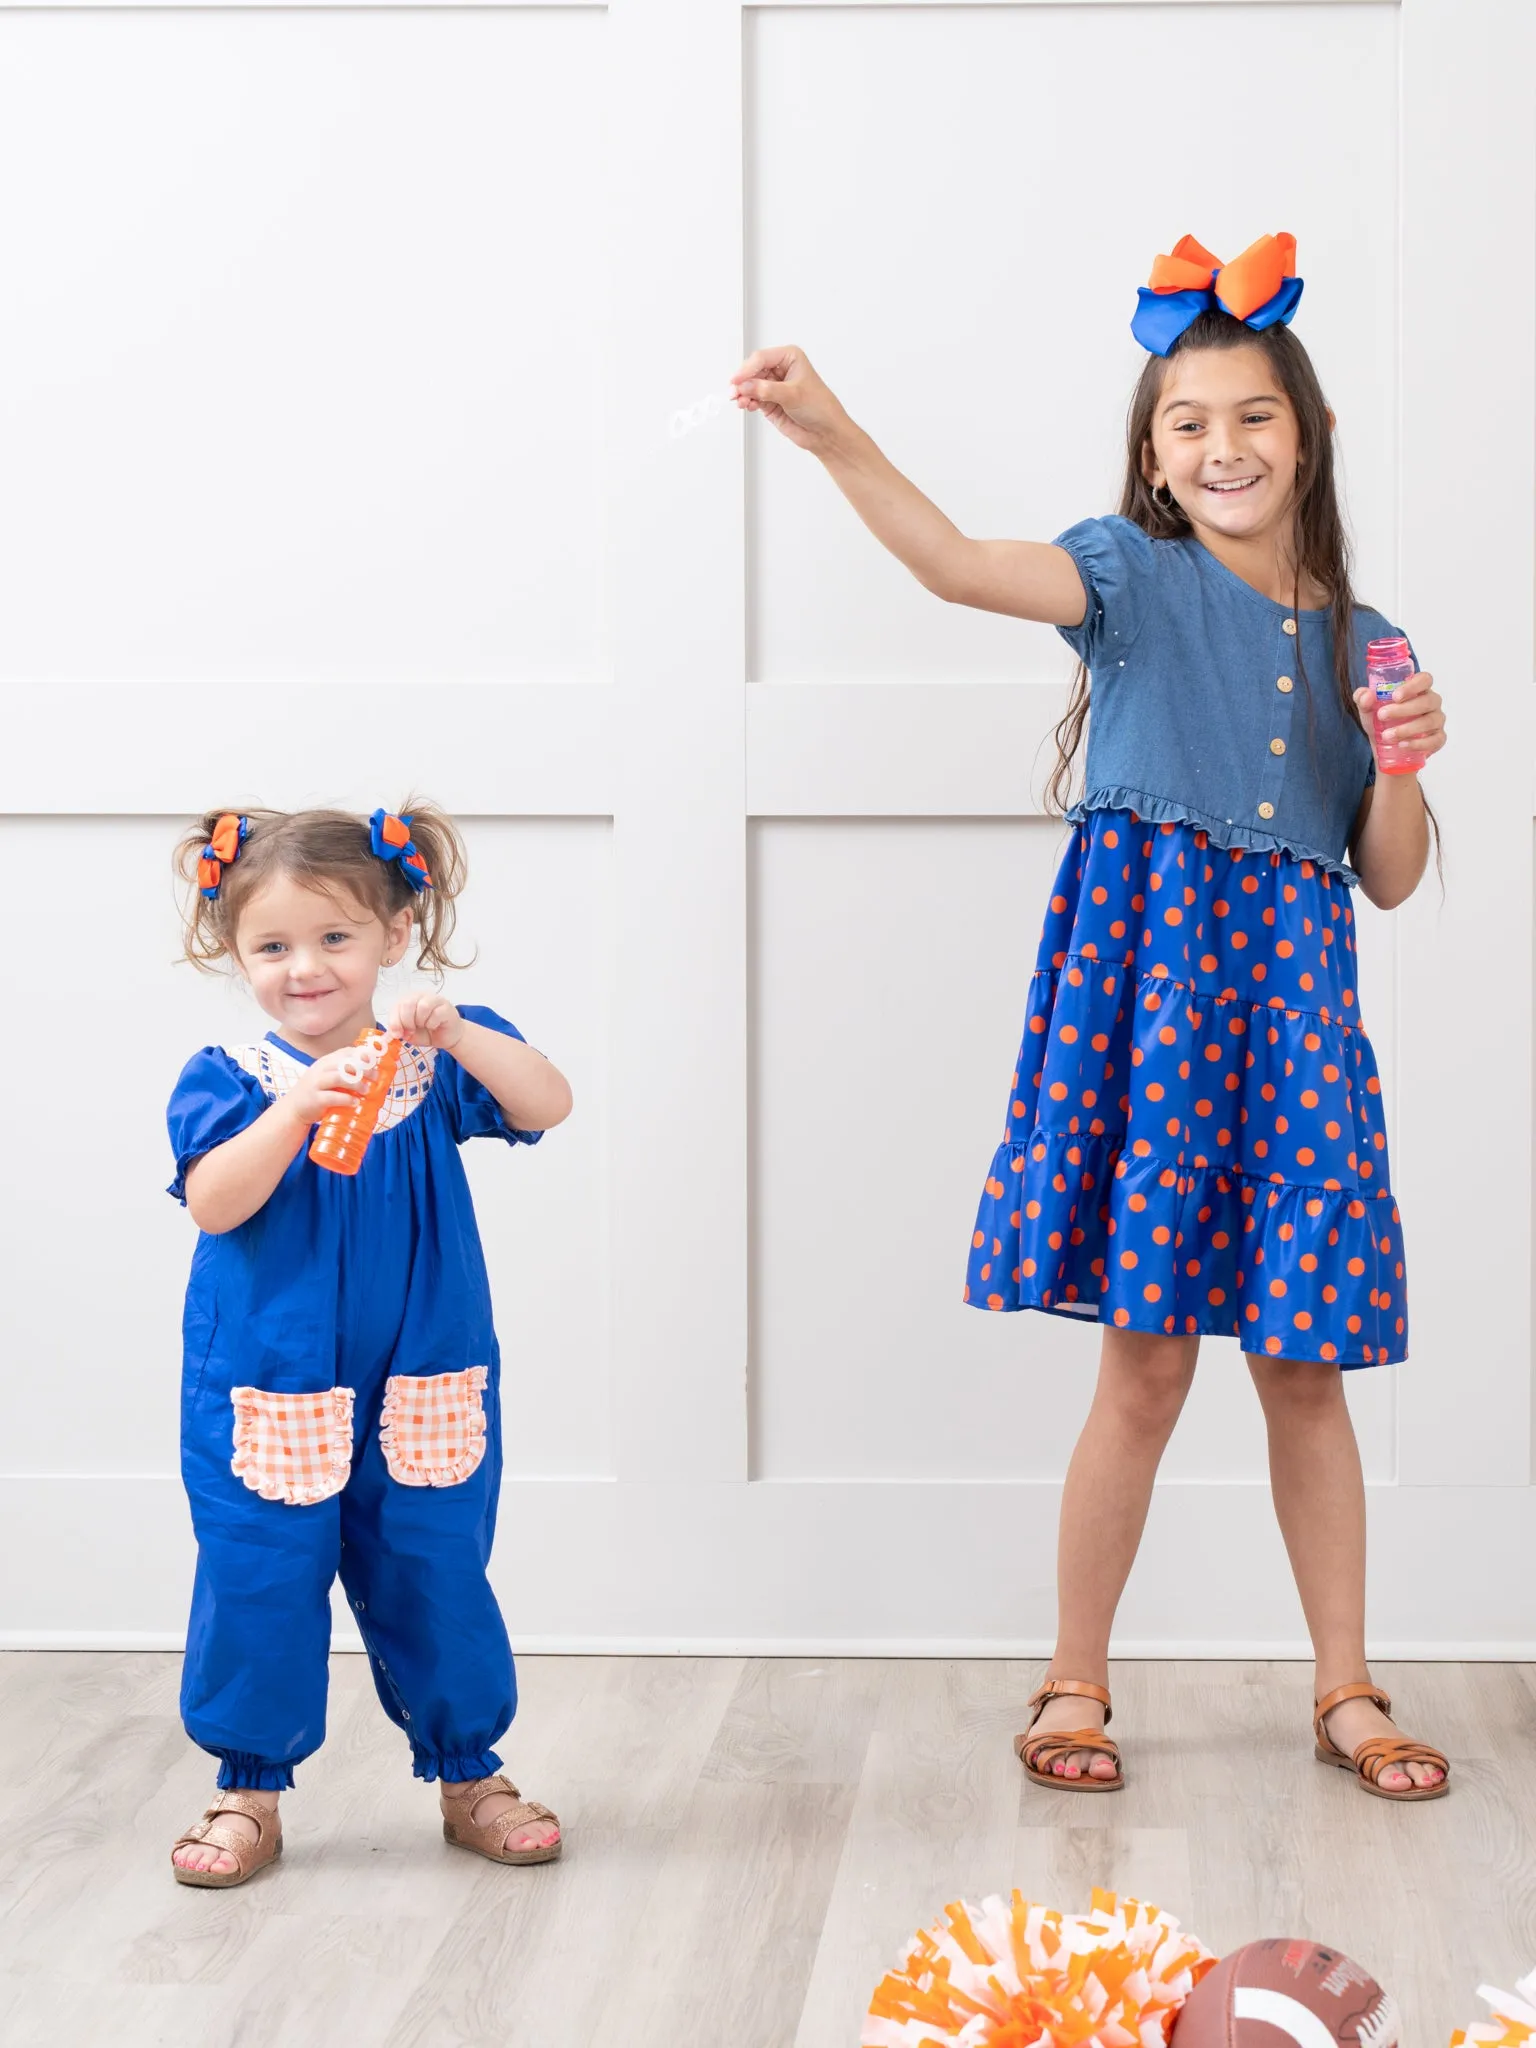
(1319, 1490)
(1143, 1383)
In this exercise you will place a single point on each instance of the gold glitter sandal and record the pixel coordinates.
(489, 1838)
(249, 1856)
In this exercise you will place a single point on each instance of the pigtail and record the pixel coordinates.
(207, 934)
(436, 838)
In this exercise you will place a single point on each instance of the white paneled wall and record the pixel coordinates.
(353, 438)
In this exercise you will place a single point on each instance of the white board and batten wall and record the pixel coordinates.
(355, 435)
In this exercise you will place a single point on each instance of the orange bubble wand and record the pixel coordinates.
(342, 1138)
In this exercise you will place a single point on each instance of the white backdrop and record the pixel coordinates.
(352, 439)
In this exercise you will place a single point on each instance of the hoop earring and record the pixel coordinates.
(1162, 504)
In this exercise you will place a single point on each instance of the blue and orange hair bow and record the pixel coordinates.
(221, 852)
(391, 839)
(1260, 288)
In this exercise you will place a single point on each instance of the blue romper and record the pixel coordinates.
(341, 1413)
(1194, 1143)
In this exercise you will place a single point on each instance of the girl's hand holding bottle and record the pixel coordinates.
(335, 1081)
(1404, 719)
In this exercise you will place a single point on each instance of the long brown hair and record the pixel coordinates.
(1323, 553)
(323, 850)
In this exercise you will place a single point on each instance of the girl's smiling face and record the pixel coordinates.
(1226, 442)
(313, 960)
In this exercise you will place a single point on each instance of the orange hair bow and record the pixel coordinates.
(221, 852)
(1260, 288)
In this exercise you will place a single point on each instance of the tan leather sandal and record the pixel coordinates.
(249, 1856)
(489, 1838)
(1377, 1753)
(1048, 1749)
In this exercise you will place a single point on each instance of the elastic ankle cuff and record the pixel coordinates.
(241, 1773)
(456, 1770)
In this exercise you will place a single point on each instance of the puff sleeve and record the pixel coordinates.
(214, 1100)
(472, 1109)
(1117, 564)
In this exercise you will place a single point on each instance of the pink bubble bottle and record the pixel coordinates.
(1388, 663)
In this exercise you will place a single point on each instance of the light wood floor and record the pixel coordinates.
(749, 1843)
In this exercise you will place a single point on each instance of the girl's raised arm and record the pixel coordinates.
(1024, 579)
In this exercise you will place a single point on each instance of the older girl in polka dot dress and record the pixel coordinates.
(1194, 1141)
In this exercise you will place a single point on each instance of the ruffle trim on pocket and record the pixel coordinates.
(432, 1430)
(295, 1448)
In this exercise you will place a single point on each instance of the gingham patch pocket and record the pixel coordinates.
(293, 1447)
(432, 1431)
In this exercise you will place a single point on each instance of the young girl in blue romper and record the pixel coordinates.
(340, 1409)
(1195, 1143)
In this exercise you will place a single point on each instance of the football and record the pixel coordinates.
(1287, 1994)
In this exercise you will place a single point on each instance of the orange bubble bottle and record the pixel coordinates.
(343, 1136)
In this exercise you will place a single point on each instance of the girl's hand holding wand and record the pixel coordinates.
(1022, 579)
(534, 1095)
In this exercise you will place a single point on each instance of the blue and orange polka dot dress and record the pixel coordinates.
(1194, 1142)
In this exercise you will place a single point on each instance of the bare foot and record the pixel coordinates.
(1065, 1712)
(205, 1856)
(1355, 1721)
(539, 1834)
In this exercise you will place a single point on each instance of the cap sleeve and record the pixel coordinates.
(1115, 560)
(473, 1110)
(214, 1100)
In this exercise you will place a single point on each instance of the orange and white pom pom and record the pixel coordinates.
(1514, 2018)
(1017, 1975)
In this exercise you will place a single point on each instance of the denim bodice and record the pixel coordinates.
(1213, 704)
